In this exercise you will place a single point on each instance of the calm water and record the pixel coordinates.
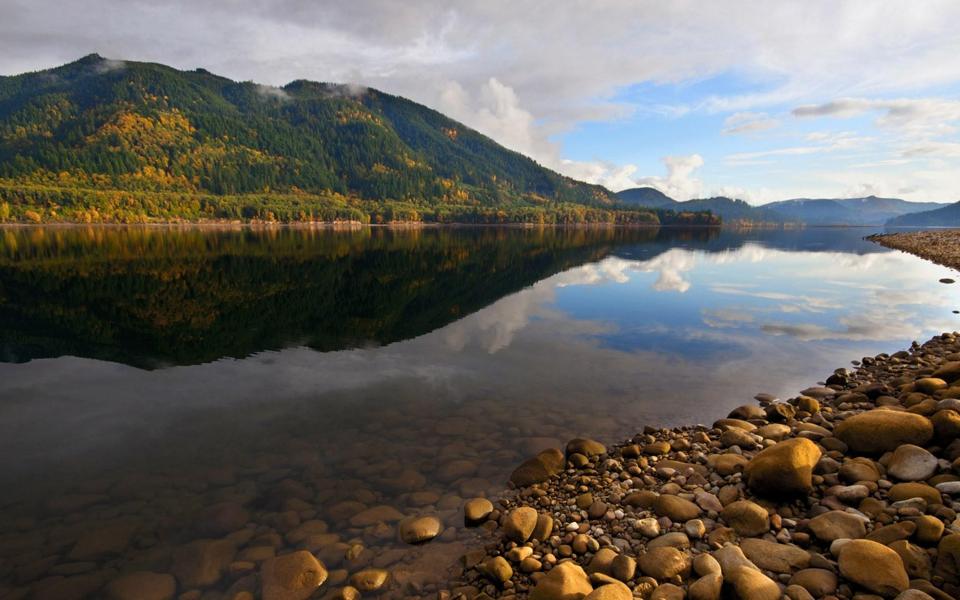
(149, 376)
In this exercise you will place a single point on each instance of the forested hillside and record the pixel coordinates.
(100, 140)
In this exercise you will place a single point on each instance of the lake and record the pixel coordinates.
(282, 387)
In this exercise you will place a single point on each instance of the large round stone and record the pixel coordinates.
(566, 581)
(294, 576)
(948, 558)
(771, 556)
(476, 510)
(519, 524)
(819, 582)
(746, 518)
(914, 489)
(836, 524)
(665, 563)
(675, 508)
(370, 580)
(880, 430)
(751, 583)
(538, 469)
(416, 530)
(784, 469)
(874, 567)
(586, 447)
(611, 591)
(912, 463)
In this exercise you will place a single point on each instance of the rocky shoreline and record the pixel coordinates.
(941, 246)
(849, 490)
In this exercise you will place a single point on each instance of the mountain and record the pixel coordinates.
(729, 210)
(646, 196)
(849, 211)
(735, 211)
(948, 216)
(105, 140)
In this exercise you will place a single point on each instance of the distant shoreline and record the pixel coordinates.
(941, 246)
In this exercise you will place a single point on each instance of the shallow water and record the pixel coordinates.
(179, 383)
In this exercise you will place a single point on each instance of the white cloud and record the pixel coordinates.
(679, 183)
(269, 92)
(748, 122)
(913, 117)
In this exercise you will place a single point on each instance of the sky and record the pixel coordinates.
(760, 101)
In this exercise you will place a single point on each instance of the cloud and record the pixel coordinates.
(824, 142)
(679, 183)
(915, 116)
(108, 64)
(269, 92)
(748, 122)
(495, 111)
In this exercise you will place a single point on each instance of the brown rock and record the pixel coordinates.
(566, 581)
(416, 530)
(476, 510)
(611, 591)
(859, 469)
(519, 524)
(929, 385)
(819, 582)
(370, 580)
(623, 567)
(915, 559)
(707, 587)
(586, 447)
(602, 561)
(498, 569)
(873, 566)
(752, 584)
(929, 529)
(784, 469)
(664, 563)
(675, 508)
(905, 491)
(746, 518)
(948, 558)
(292, 576)
(539, 468)
(727, 464)
(771, 556)
(836, 524)
(893, 532)
(946, 424)
(880, 430)
(544, 527)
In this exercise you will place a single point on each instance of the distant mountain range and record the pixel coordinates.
(946, 216)
(870, 210)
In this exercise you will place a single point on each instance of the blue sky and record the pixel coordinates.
(838, 98)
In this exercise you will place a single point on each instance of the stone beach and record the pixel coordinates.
(848, 490)
(941, 246)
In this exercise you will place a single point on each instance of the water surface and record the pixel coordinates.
(152, 376)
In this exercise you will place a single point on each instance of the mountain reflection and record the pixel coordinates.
(156, 296)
